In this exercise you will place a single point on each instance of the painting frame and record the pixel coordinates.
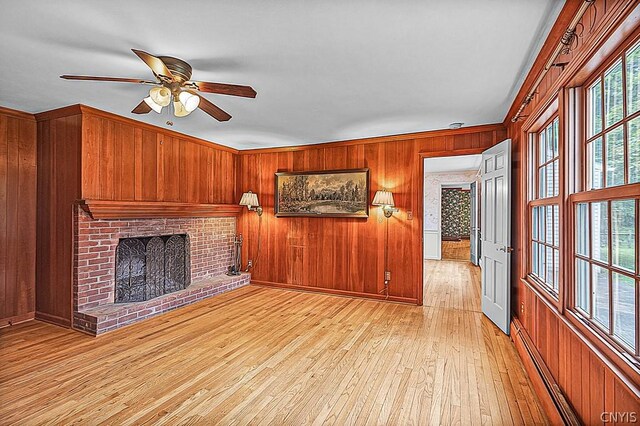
(282, 212)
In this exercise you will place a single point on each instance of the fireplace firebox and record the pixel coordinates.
(149, 267)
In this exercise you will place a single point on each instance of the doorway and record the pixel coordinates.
(451, 218)
(455, 221)
(491, 173)
(451, 208)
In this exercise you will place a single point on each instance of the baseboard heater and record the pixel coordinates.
(558, 398)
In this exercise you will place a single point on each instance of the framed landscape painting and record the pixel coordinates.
(331, 193)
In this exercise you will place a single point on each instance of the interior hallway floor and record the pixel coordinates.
(456, 250)
(269, 356)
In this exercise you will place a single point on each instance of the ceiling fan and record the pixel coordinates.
(174, 85)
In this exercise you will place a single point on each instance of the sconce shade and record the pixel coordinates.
(383, 198)
(249, 199)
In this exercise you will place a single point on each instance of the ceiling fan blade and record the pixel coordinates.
(157, 66)
(225, 89)
(141, 108)
(116, 79)
(213, 110)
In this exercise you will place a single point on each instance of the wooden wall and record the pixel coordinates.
(17, 216)
(593, 381)
(84, 153)
(344, 255)
(123, 160)
(59, 142)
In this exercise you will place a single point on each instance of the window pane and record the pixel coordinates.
(582, 229)
(633, 147)
(548, 224)
(534, 259)
(542, 183)
(623, 234)
(542, 148)
(541, 261)
(555, 137)
(613, 108)
(582, 285)
(614, 144)
(551, 177)
(600, 231)
(556, 269)
(633, 79)
(550, 142)
(534, 223)
(595, 109)
(601, 295)
(556, 225)
(549, 263)
(624, 308)
(595, 164)
(556, 178)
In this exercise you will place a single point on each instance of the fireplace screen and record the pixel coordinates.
(150, 267)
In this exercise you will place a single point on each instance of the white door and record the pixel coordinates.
(496, 234)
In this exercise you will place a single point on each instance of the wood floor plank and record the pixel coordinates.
(268, 356)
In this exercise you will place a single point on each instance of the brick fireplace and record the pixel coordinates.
(95, 247)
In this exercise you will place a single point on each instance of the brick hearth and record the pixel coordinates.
(94, 267)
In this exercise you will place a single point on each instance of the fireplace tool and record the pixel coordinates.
(236, 256)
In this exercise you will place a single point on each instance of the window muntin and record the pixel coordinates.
(613, 128)
(606, 268)
(604, 260)
(544, 210)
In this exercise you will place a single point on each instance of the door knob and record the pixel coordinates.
(506, 249)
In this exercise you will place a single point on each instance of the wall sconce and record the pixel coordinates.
(384, 198)
(250, 200)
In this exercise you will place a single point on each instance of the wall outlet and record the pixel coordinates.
(522, 308)
(387, 275)
(250, 264)
(409, 215)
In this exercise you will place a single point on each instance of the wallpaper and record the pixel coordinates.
(456, 213)
(432, 194)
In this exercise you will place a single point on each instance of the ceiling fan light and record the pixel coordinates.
(179, 110)
(160, 95)
(189, 100)
(154, 106)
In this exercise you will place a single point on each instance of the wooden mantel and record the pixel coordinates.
(101, 209)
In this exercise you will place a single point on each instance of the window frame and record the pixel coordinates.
(535, 165)
(534, 125)
(599, 74)
(582, 193)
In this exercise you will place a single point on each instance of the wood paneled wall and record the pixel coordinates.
(59, 141)
(590, 380)
(84, 153)
(17, 216)
(344, 255)
(123, 161)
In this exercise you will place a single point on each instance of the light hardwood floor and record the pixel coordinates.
(269, 356)
(456, 250)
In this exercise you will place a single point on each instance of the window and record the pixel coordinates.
(606, 212)
(613, 124)
(606, 270)
(544, 259)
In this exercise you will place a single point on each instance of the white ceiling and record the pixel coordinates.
(452, 164)
(324, 70)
